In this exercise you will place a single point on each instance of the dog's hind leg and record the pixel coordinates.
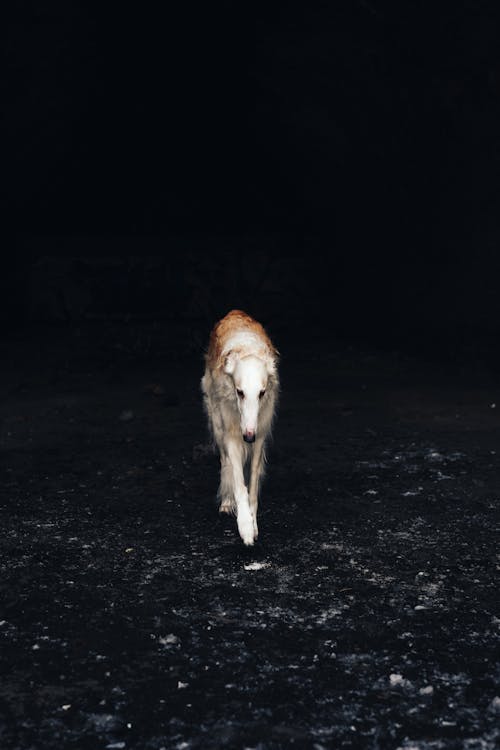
(225, 493)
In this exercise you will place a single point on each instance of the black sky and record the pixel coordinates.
(234, 118)
(373, 126)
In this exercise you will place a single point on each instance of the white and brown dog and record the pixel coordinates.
(240, 389)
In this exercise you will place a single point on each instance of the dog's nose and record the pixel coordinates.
(249, 436)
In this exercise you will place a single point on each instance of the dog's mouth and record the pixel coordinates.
(249, 438)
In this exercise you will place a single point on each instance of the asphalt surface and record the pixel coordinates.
(132, 616)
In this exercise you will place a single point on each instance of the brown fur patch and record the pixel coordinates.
(234, 321)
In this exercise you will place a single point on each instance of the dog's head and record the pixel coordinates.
(252, 376)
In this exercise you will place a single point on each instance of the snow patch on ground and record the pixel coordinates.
(257, 565)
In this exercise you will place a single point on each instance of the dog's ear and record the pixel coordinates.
(230, 363)
(271, 366)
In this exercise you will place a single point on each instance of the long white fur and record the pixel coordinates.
(250, 366)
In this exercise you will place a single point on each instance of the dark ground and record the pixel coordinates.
(323, 163)
(133, 617)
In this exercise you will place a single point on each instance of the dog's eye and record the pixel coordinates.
(262, 393)
(240, 393)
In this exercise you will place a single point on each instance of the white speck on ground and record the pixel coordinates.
(256, 565)
(440, 476)
(434, 456)
(397, 680)
(168, 640)
(495, 705)
(426, 690)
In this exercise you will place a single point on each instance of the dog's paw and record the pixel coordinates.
(255, 528)
(226, 506)
(245, 526)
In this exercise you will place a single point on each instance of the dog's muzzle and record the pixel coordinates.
(249, 437)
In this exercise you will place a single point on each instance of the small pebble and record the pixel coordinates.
(397, 680)
(427, 690)
(168, 640)
(495, 705)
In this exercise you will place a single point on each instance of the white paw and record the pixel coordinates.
(246, 525)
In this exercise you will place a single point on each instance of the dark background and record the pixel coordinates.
(331, 167)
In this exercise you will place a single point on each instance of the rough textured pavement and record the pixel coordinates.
(131, 615)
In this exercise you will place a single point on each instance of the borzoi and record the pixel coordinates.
(240, 389)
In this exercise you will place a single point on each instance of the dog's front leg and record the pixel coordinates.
(234, 452)
(256, 471)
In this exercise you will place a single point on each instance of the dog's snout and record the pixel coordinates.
(249, 436)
